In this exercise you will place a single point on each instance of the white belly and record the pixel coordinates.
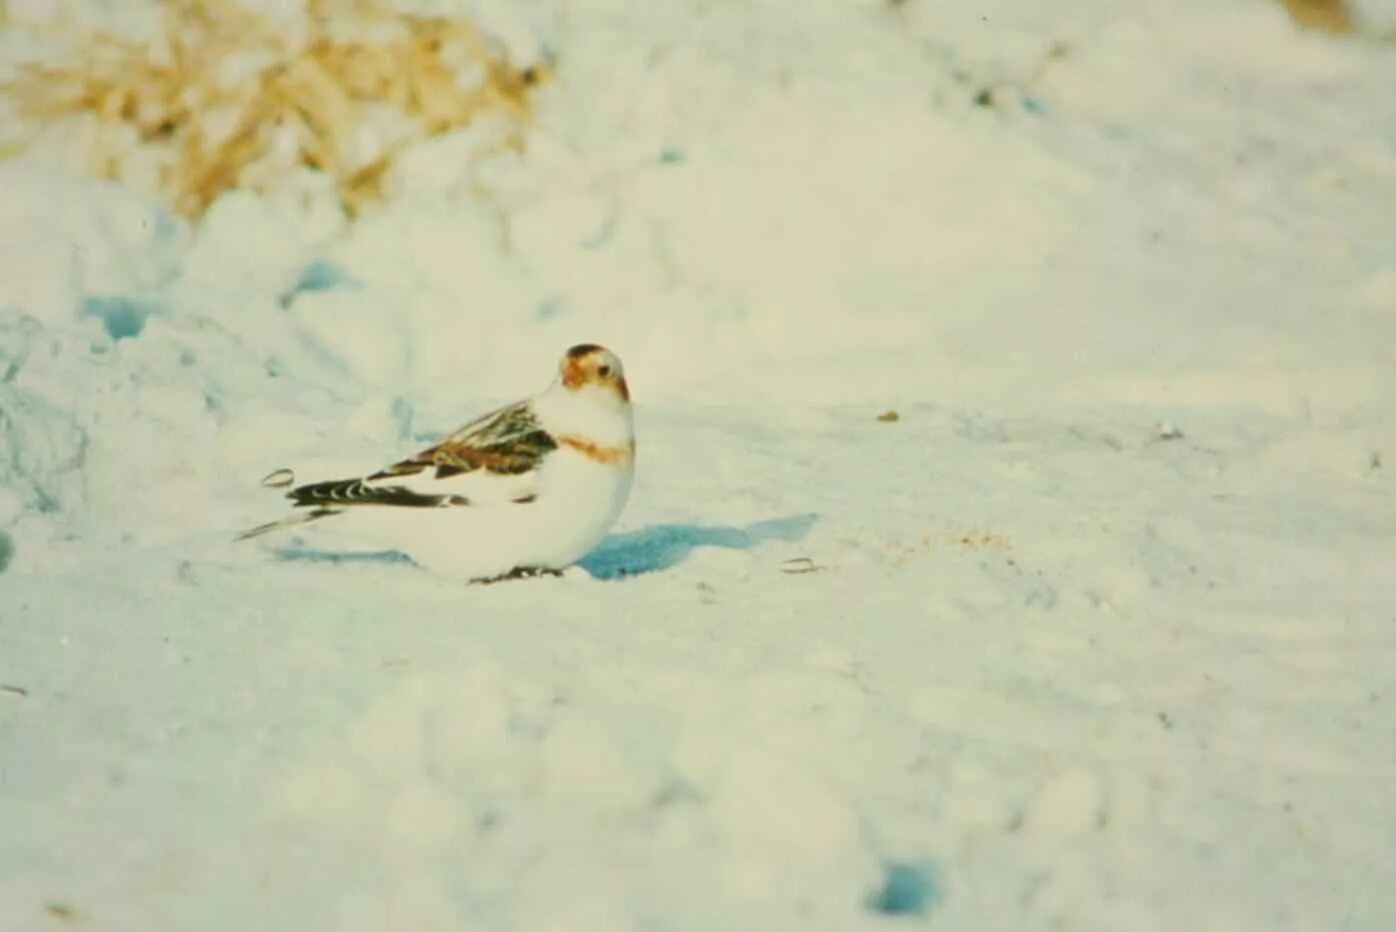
(578, 502)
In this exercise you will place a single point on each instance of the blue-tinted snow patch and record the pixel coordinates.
(661, 546)
(907, 890)
(319, 275)
(402, 414)
(547, 309)
(306, 555)
(122, 317)
(166, 227)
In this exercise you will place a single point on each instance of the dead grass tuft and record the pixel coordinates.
(1324, 15)
(224, 100)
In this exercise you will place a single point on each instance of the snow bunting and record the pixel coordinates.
(526, 489)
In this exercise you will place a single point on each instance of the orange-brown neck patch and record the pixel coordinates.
(573, 375)
(607, 454)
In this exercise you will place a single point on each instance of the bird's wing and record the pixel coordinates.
(506, 442)
(494, 458)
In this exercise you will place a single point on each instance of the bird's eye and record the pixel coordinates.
(604, 372)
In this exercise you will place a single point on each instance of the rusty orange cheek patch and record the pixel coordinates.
(623, 389)
(573, 375)
(610, 455)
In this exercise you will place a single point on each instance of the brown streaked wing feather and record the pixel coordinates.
(508, 441)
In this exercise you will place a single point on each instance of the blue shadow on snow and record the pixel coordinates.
(661, 546)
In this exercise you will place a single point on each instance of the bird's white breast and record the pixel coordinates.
(579, 498)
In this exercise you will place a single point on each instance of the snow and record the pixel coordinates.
(1097, 633)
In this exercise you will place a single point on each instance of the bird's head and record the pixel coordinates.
(588, 368)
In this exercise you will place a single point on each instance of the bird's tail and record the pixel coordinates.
(280, 479)
(302, 517)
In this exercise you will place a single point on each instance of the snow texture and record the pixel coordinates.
(1096, 634)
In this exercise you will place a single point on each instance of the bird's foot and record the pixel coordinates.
(520, 572)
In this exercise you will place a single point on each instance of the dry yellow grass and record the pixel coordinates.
(1324, 15)
(224, 100)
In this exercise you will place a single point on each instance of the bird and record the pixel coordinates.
(525, 490)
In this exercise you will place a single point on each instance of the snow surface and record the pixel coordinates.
(1100, 632)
